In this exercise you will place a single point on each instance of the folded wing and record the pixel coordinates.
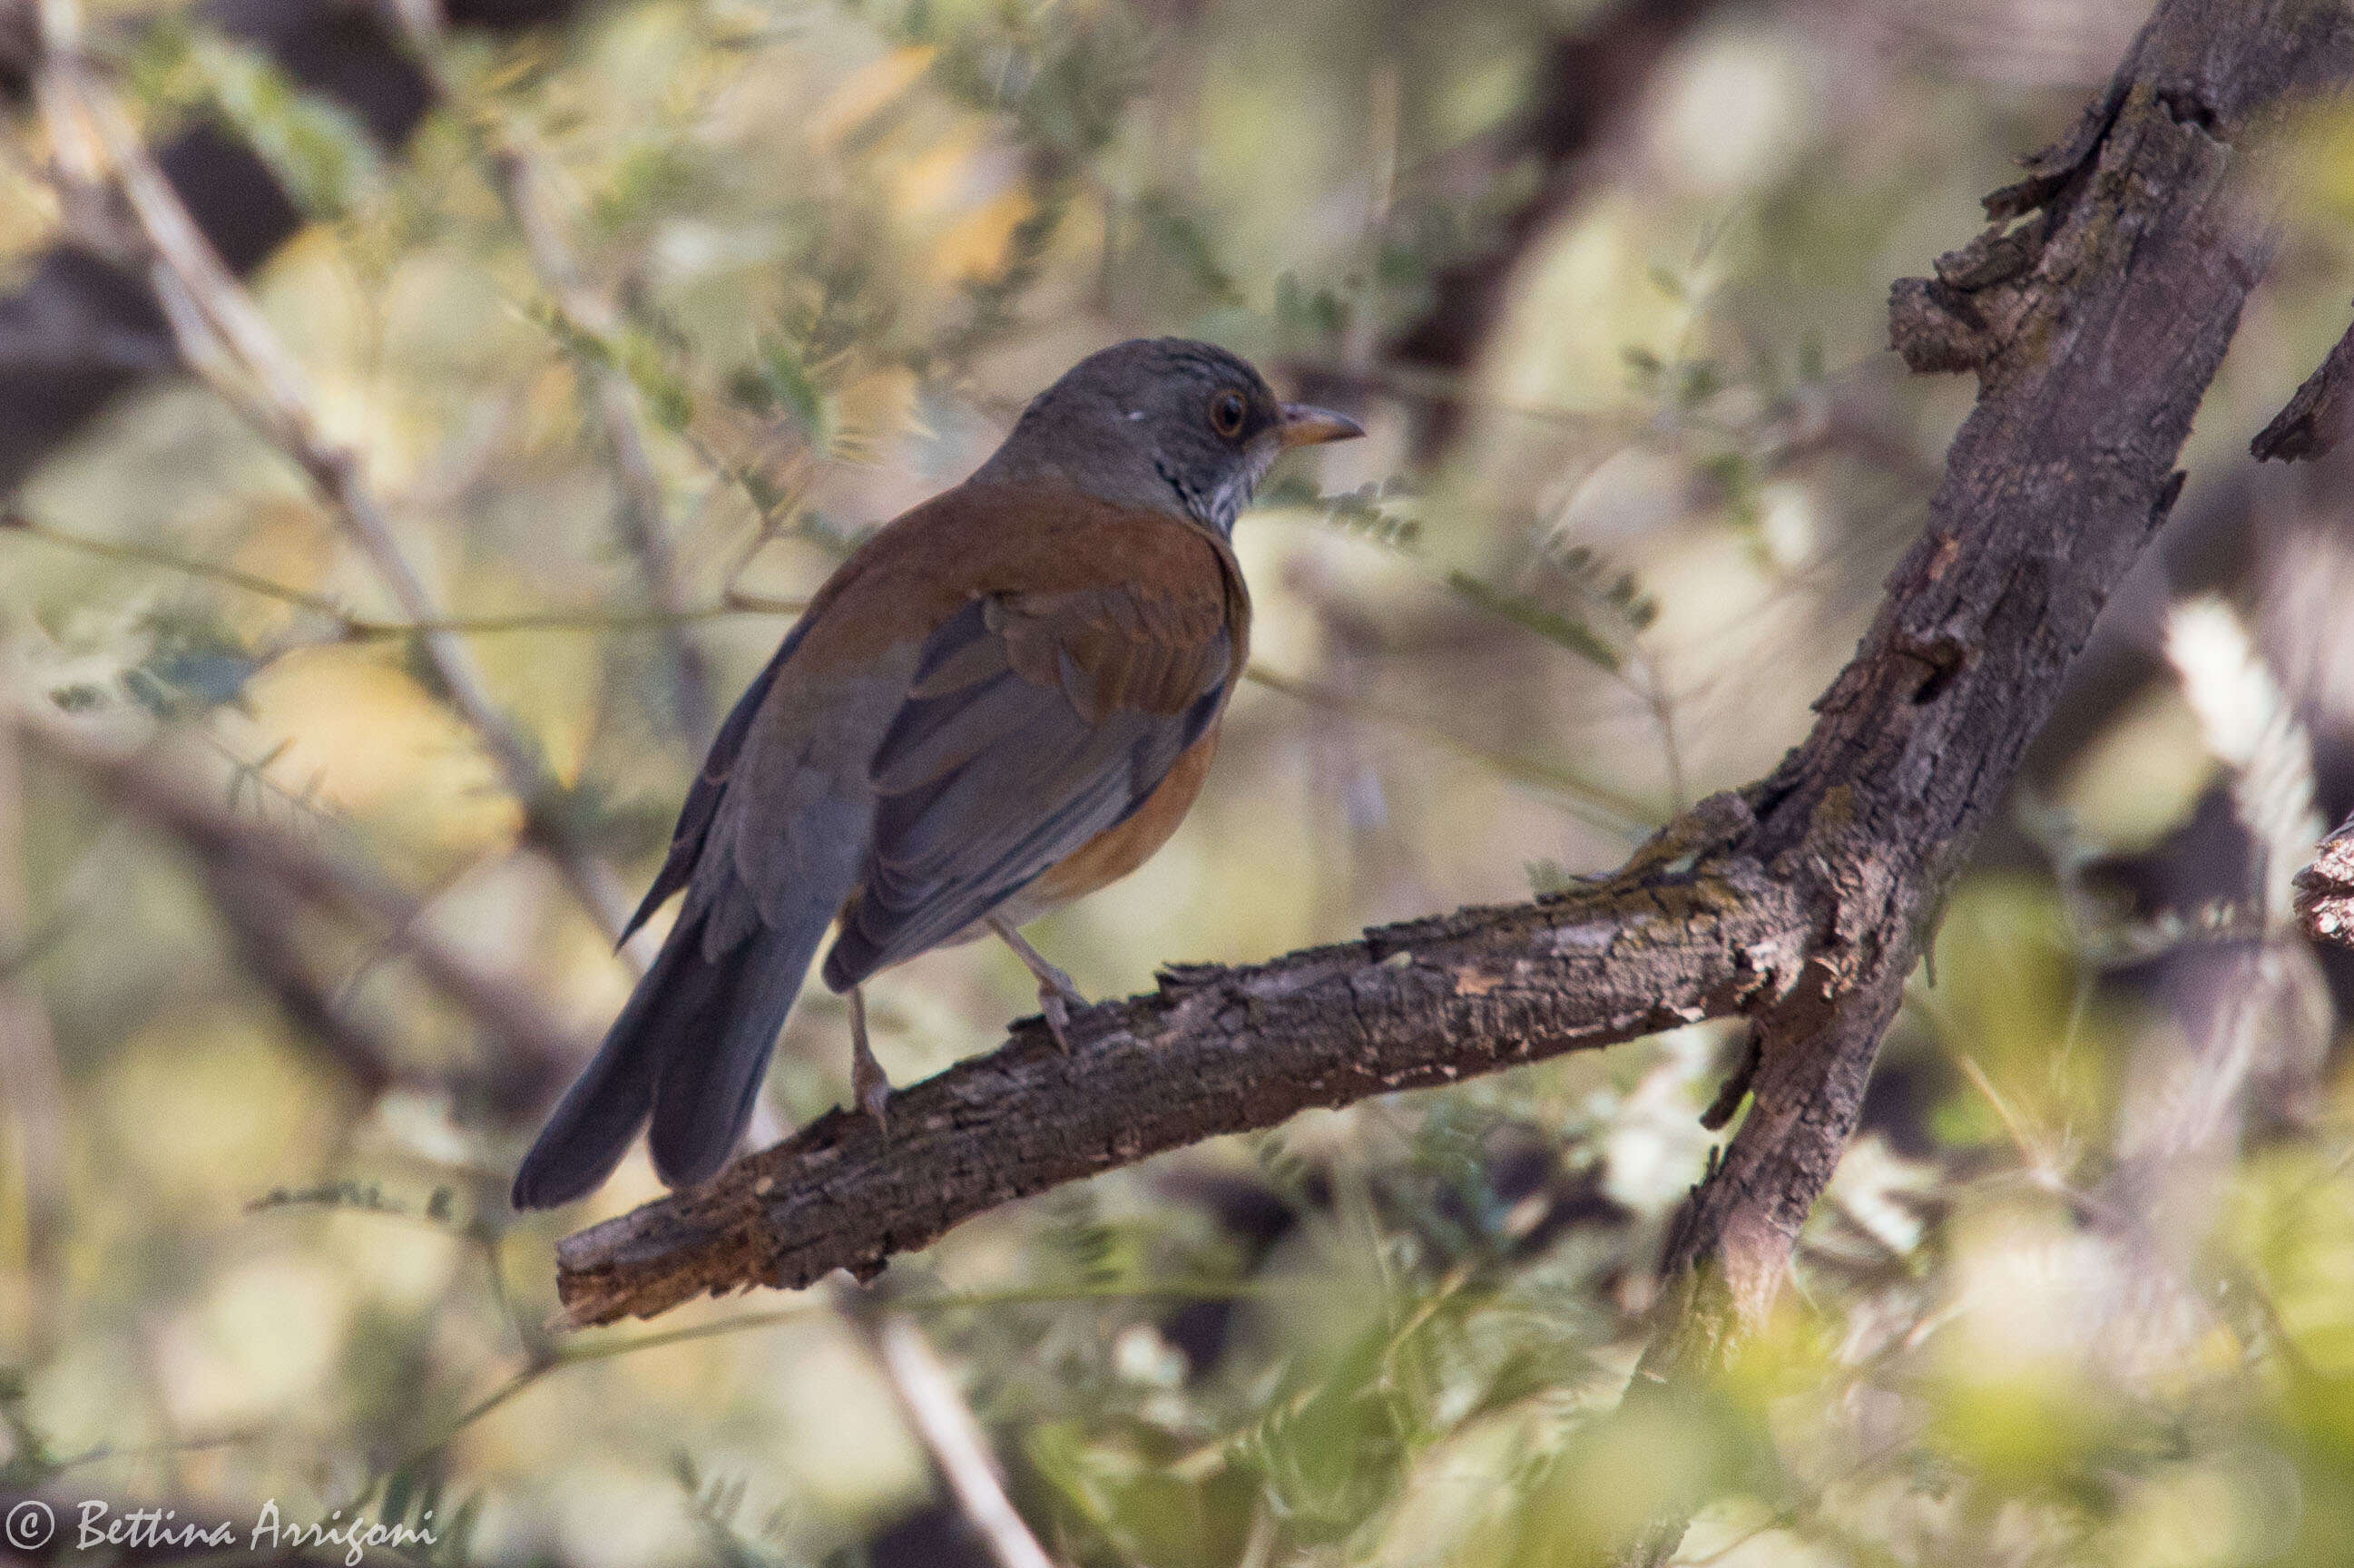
(1035, 722)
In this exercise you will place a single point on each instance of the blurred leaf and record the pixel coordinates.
(1181, 239)
(320, 153)
(1527, 612)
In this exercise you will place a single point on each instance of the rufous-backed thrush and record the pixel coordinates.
(1005, 699)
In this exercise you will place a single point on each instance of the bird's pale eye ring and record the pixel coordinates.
(1227, 410)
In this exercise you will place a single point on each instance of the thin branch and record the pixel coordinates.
(928, 1397)
(33, 1094)
(1595, 803)
(17, 522)
(1589, 84)
(537, 1052)
(264, 927)
(222, 335)
(645, 525)
(77, 329)
(350, 627)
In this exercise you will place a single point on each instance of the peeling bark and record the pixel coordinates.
(2324, 889)
(2095, 326)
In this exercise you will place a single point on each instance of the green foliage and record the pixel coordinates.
(828, 250)
(1180, 238)
(1525, 610)
(320, 152)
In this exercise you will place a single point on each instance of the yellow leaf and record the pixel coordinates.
(868, 91)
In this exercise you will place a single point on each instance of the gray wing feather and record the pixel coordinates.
(986, 779)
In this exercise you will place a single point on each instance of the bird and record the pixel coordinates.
(1005, 699)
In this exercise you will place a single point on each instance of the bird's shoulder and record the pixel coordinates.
(1056, 560)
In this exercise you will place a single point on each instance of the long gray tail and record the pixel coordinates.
(689, 1051)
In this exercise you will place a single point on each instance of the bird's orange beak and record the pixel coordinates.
(1304, 426)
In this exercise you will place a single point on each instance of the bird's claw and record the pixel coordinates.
(870, 1089)
(1056, 992)
(1056, 1006)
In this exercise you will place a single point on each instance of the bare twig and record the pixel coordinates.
(346, 626)
(224, 338)
(33, 1094)
(264, 925)
(1589, 82)
(1596, 803)
(928, 1397)
(646, 526)
(537, 1052)
(76, 330)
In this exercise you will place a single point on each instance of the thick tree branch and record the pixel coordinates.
(1675, 939)
(2095, 323)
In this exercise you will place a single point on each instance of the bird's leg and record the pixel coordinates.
(1057, 994)
(868, 1086)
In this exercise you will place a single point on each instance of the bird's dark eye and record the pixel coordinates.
(1226, 414)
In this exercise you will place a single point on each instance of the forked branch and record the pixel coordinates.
(2094, 313)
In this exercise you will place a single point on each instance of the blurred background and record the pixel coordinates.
(633, 316)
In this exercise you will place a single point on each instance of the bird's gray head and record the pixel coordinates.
(1164, 423)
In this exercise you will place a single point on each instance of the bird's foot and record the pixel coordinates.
(1056, 992)
(1057, 1007)
(870, 1089)
(869, 1085)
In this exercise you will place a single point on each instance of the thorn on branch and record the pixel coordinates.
(2315, 417)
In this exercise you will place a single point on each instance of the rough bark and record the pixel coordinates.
(2324, 889)
(1678, 938)
(2094, 322)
